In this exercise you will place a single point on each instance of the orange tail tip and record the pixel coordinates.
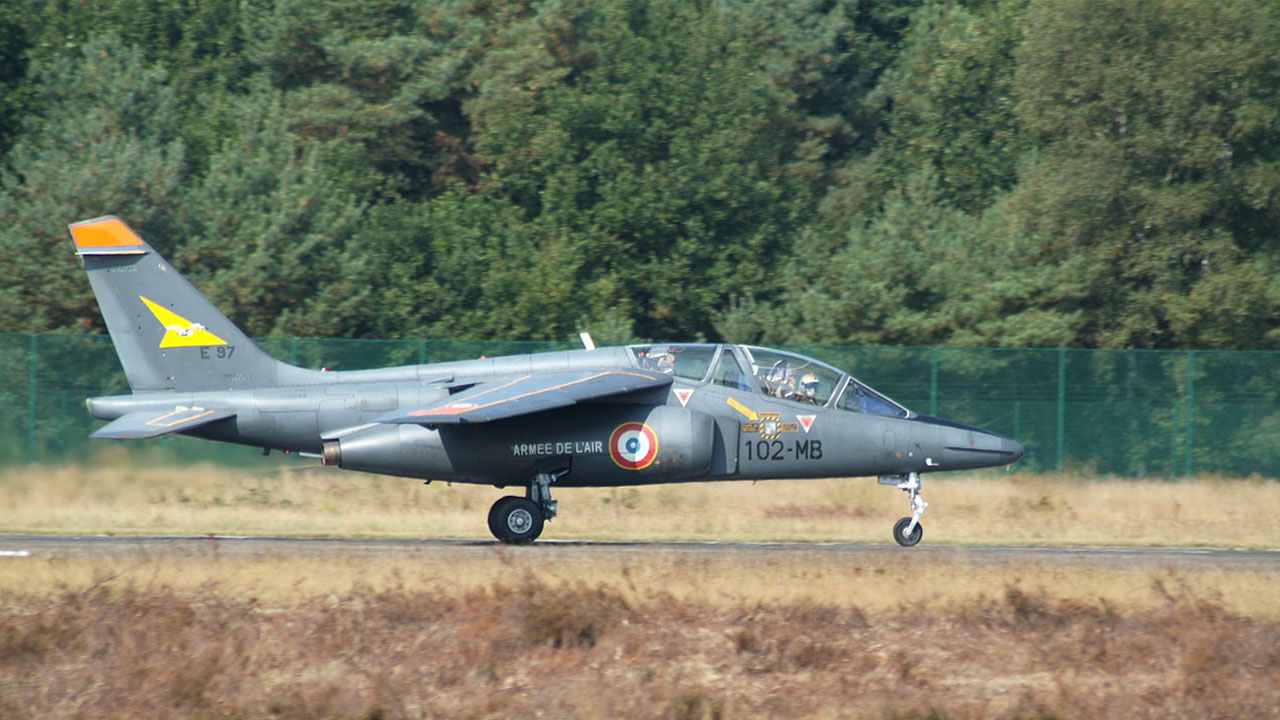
(105, 236)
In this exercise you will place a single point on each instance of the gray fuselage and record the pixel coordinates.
(703, 430)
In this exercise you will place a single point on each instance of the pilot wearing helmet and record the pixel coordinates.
(809, 388)
(664, 362)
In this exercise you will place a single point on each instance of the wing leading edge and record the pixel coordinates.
(529, 394)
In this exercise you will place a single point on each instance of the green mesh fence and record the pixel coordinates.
(1136, 413)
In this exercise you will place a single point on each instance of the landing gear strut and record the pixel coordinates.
(908, 530)
(518, 520)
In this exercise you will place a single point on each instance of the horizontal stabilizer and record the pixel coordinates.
(529, 394)
(153, 423)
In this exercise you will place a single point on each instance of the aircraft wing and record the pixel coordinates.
(152, 423)
(528, 394)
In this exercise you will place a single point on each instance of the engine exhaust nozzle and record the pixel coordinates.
(331, 454)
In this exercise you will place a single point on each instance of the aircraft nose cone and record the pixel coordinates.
(961, 446)
(1014, 448)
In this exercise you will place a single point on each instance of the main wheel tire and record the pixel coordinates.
(494, 510)
(900, 529)
(518, 521)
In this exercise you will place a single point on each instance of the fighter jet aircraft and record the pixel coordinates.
(610, 416)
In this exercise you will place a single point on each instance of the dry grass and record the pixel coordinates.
(527, 648)
(875, 579)
(115, 497)
(685, 634)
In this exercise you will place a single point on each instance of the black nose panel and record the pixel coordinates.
(965, 446)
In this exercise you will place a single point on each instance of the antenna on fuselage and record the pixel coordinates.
(587, 342)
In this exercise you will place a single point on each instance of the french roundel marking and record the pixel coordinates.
(633, 446)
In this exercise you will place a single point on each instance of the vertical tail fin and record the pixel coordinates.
(167, 334)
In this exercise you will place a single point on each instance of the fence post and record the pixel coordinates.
(933, 381)
(1017, 419)
(1189, 467)
(33, 359)
(1062, 407)
(422, 352)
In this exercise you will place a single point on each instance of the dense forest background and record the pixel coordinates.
(1095, 173)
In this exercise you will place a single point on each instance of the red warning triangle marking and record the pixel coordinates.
(683, 395)
(806, 422)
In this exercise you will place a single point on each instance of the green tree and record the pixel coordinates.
(104, 141)
(1158, 170)
(922, 272)
(649, 138)
(266, 226)
(13, 71)
(382, 83)
(197, 42)
(949, 104)
(459, 265)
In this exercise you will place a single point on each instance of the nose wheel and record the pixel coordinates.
(908, 530)
(907, 537)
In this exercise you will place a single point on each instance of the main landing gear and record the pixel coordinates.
(908, 530)
(518, 520)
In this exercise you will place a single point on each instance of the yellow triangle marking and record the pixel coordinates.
(179, 331)
(747, 412)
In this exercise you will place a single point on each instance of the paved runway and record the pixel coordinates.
(18, 546)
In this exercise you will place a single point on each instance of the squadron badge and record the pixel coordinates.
(770, 426)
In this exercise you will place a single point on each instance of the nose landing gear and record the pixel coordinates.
(908, 530)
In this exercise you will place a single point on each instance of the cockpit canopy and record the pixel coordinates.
(776, 373)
